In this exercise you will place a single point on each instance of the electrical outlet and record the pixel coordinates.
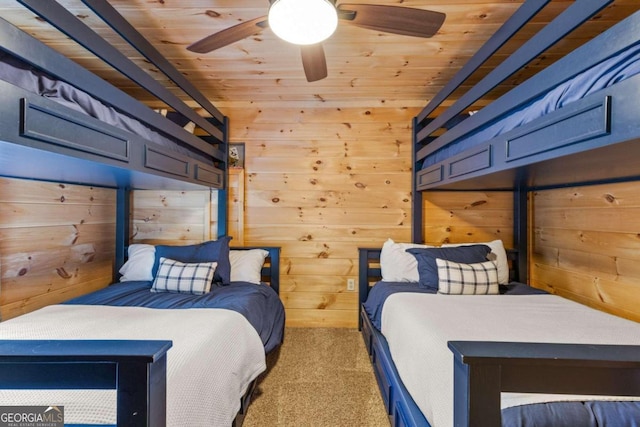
(351, 284)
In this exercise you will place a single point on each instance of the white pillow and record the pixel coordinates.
(497, 248)
(397, 265)
(467, 279)
(139, 265)
(246, 266)
(189, 278)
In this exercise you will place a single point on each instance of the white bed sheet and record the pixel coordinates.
(216, 354)
(418, 327)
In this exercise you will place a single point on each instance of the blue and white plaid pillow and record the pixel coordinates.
(176, 276)
(467, 279)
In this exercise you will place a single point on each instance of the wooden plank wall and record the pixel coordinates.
(171, 217)
(320, 182)
(468, 216)
(57, 241)
(586, 246)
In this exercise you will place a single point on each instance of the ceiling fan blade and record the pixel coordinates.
(228, 36)
(393, 19)
(314, 62)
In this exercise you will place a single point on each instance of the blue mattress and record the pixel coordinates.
(259, 304)
(555, 414)
(617, 68)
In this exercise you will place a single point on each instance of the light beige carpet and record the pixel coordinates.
(321, 378)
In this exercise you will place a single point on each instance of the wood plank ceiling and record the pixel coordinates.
(365, 67)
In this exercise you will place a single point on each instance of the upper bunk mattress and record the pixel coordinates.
(615, 69)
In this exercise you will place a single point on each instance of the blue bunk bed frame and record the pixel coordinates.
(40, 139)
(549, 152)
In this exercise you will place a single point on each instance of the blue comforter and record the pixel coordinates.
(259, 304)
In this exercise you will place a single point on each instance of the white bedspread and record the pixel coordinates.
(216, 353)
(418, 326)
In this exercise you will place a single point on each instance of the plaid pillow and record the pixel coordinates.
(467, 279)
(176, 276)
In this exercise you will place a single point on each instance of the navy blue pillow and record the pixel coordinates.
(426, 257)
(215, 250)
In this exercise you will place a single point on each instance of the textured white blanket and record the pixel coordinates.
(418, 326)
(216, 353)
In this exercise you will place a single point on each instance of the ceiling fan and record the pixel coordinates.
(309, 22)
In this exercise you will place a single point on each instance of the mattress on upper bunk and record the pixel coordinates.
(417, 324)
(19, 73)
(615, 69)
(259, 304)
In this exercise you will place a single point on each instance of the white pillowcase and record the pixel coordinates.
(188, 278)
(246, 265)
(397, 265)
(139, 265)
(497, 248)
(467, 279)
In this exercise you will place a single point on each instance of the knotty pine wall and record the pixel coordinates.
(57, 241)
(173, 217)
(319, 183)
(468, 216)
(586, 246)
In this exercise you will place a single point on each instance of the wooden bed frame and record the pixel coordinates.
(550, 152)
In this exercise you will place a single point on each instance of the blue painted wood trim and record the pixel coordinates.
(223, 201)
(521, 232)
(69, 24)
(137, 371)
(113, 18)
(367, 257)
(416, 196)
(222, 212)
(563, 24)
(523, 15)
(484, 369)
(123, 205)
(274, 268)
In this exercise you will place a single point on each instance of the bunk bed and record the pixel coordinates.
(76, 127)
(59, 122)
(590, 137)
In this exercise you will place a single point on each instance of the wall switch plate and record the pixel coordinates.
(351, 284)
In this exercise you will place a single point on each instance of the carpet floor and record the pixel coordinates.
(321, 378)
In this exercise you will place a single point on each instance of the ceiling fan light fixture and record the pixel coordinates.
(303, 22)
